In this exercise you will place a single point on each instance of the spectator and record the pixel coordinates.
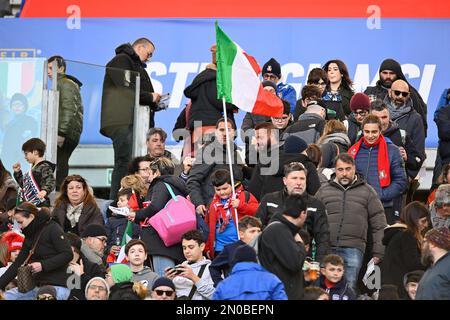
(435, 283)
(295, 181)
(280, 248)
(6, 218)
(282, 123)
(97, 289)
(37, 183)
(403, 242)
(379, 161)
(248, 280)
(93, 243)
(75, 207)
(206, 109)
(161, 173)
(192, 278)
(249, 228)
(388, 292)
(163, 289)
(440, 208)
(310, 124)
(119, 280)
(8, 190)
(138, 185)
(352, 205)
(339, 88)
(224, 212)
(14, 242)
(310, 93)
(390, 70)
(83, 269)
(118, 101)
(141, 167)
(156, 145)
(332, 279)
(360, 108)
(4, 257)
(136, 253)
(444, 178)
(212, 157)
(70, 115)
(333, 141)
(272, 71)
(46, 293)
(442, 120)
(411, 282)
(315, 293)
(50, 258)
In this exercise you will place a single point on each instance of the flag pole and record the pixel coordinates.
(230, 163)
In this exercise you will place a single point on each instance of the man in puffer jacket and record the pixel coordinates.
(70, 116)
(379, 161)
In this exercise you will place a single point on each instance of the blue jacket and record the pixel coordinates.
(288, 93)
(250, 281)
(367, 166)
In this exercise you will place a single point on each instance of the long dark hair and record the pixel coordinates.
(346, 82)
(410, 216)
(3, 173)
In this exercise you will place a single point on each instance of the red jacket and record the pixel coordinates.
(215, 208)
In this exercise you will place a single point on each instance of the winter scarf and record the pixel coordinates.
(224, 211)
(73, 214)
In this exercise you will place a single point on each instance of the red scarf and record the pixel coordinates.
(225, 211)
(384, 172)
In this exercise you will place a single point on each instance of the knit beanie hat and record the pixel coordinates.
(268, 83)
(163, 282)
(272, 66)
(94, 230)
(294, 144)
(244, 253)
(14, 240)
(99, 279)
(121, 273)
(391, 64)
(46, 290)
(440, 237)
(360, 101)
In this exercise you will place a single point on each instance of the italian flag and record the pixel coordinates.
(127, 236)
(238, 79)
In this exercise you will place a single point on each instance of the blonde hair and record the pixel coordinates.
(332, 126)
(140, 290)
(135, 182)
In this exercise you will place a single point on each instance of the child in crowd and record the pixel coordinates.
(39, 182)
(411, 282)
(332, 279)
(221, 217)
(136, 253)
(315, 293)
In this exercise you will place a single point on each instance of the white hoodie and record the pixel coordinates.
(205, 286)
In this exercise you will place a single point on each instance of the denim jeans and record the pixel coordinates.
(122, 139)
(62, 293)
(353, 259)
(160, 263)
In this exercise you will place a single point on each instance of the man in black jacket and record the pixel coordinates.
(118, 101)
(281, 249)
(316, 224)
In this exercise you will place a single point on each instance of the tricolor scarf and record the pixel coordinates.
(224, 211)
(384, 173)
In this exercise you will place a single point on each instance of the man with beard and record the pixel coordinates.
(352, 206)
(316, 223)
(435, 283)
(390, 70)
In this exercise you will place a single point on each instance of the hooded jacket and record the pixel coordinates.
(118, 99)
(250, 281)
(262, 184)
(332, 145)
(281, 255)
(43, 175)
(53, 251)
(70, 113)
(381, 92)
(205, 105)
(205, 286)
(316, 222)
(402, 255)
(350, 212)
(158, 195)
(146, 276)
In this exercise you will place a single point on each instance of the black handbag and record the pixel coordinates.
(25, 280)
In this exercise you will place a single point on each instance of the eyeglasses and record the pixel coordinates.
(403, 93)
(168, 293)
(45, 297)
(360, 113)
(102, 239)
(99, 288)
(270, 76)
(145, 169)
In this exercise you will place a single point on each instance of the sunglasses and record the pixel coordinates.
(44, 297)
(398, 93)
(102, 239)
(168, 293)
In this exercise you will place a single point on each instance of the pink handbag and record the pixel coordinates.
(176, 218)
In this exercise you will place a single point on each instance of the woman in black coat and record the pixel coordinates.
(339, 88)
(162, 170)
(51, 256)
(403, 242)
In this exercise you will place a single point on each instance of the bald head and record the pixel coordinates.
(399, 93)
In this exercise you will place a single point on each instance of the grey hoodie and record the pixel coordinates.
(146, 276)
